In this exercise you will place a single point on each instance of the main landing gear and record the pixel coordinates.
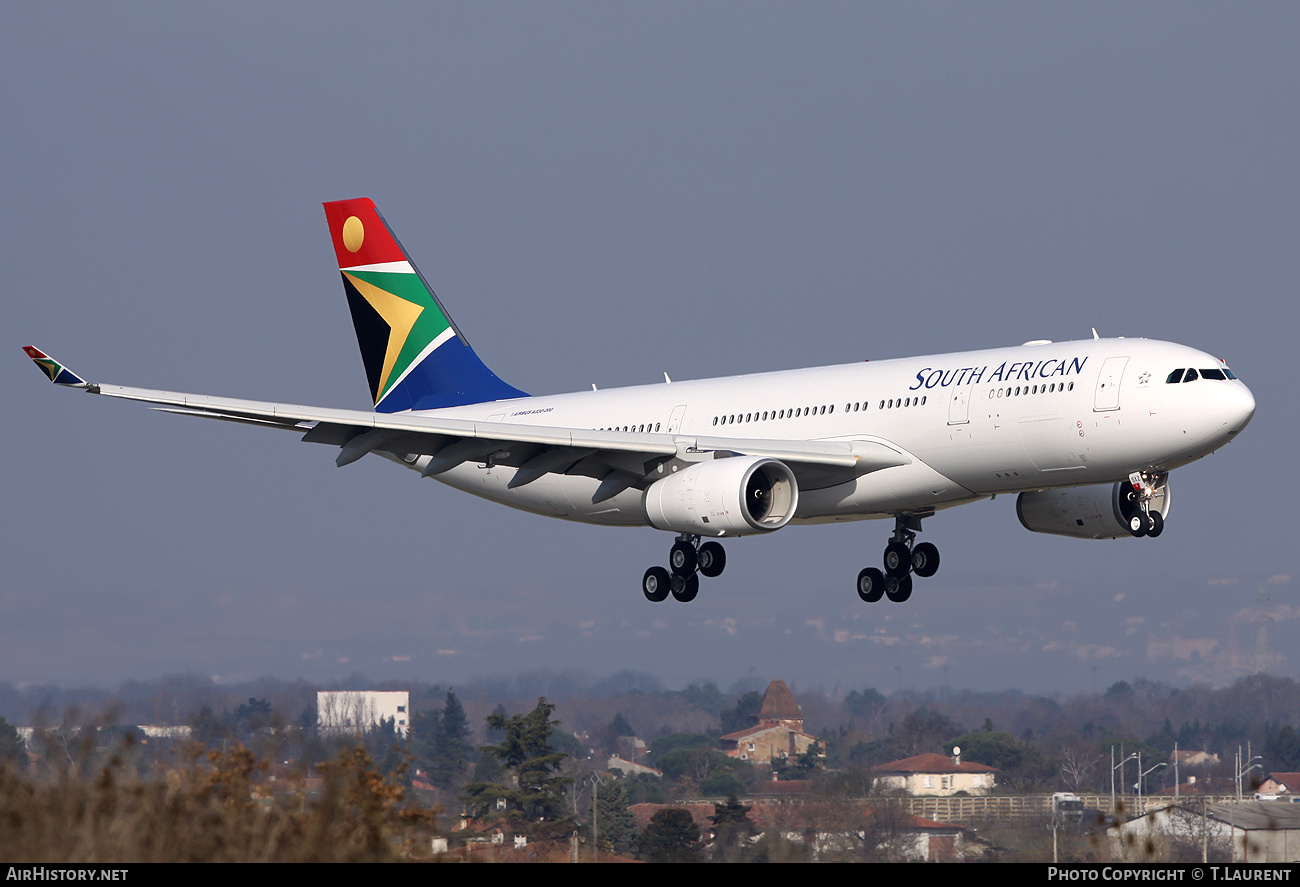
(687, 561)
(902, 559)
(1135, 503)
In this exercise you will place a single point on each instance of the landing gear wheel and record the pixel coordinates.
(925, 560)
(1155, 524)
(1137, 524)
(682, 559)
(712, 559)
(655, 584)
(871, 585)
(898, 590)
(898, 560)
(685, 588)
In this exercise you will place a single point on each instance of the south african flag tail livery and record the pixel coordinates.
(58, 373)
(415, 358)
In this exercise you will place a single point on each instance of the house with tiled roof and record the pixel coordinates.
(632, 768)
(1286, 783)
(934, 774)
(778, 734)
(1191, 758)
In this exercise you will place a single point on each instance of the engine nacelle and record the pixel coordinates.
(735, 496)
(1096, 512)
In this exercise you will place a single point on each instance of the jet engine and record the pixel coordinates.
(1096, 512)
(734, 496)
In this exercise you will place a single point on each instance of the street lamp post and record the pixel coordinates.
(1113, 768)
(1142, 775)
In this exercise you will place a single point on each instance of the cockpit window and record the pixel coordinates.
(1188, 375)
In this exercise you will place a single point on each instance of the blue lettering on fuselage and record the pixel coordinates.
(932, 377)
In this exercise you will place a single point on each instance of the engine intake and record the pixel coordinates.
(735, 496)
(1096, 512)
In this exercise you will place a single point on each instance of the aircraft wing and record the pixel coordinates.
(618, 459)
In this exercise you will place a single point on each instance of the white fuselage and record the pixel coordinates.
(974, 424)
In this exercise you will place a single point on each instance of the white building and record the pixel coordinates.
(356, 711)
(1249, 831)
(935, 774)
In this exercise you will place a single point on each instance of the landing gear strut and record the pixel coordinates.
(902, 559)
(688, 560)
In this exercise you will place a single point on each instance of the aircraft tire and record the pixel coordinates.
(682, 559)
(656, 584)
(689, 588)
(871, 585)
(1137, 524)
(898, 560)
(1157, 525)
(712, 559)
(900, 591)
(925, 560)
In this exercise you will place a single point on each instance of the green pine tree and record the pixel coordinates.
(732, 829)
(671, 836)
(451, 748)
(615, 824)
(533, 791)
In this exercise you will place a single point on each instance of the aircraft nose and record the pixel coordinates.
(1240, 408)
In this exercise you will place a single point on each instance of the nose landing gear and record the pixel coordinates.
(687, 560)
(902, 559)
(1135, 503)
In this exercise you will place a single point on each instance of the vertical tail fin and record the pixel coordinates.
(415, 357)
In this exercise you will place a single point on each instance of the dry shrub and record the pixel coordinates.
(218, 807)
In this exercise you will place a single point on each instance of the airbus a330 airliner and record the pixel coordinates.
(1086, 432)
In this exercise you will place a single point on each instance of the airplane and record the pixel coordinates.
(1084, 432)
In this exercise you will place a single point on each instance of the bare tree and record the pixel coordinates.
(1075, 767)
(346, 711)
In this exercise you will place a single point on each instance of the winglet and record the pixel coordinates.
(58, 373)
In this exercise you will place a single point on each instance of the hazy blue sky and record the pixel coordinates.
(601, 193)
